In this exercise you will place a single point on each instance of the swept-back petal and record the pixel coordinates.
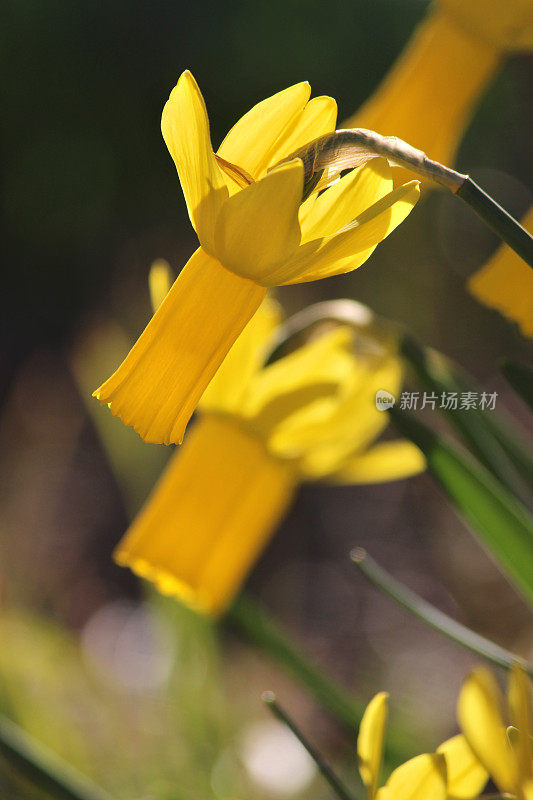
(252, 140)
(421, 778)
(228, 387)
(519, 698)
(185, 128)
(370, 741)
(334, 208)
(506, 284)
(329, 434)
(158, 385)
(387, 461)
(466, 776)
(209, 516)
(348, 249)
(325, 360)
(479, 712)
(318, 117)
(258, 227)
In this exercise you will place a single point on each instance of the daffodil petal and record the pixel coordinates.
(347, 250)
(421, 778)
(318, 117)
(253, 139)
(505, 283)
(210, 515)
(480, 717)
(349, 197)
(387, 461)
(331, 433)
(226, 390)
(370, 741)
(519, 698)
(466, 776)
(160, 279)
(158, 385)
(185, 128)
(326, 359)
(258, 227)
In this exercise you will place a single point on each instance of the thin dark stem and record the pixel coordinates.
(497, 218)
(432, 616)
(336, 784)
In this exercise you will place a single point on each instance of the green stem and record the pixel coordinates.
(348, 149)
(43, 769)
(432, 616)
(255, 625)
(261, 630)
(499, 220)
(336, 784)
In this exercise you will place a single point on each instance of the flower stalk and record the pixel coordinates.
(332, 153)
(326, 771)
(432, 616)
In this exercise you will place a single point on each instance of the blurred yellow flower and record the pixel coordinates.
(506, 284)
(430, 92)
(263, 429)
(506, 753)
(254, 232)
(452, 772)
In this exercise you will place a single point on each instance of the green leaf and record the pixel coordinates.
(520, 376)
(501, 522)
(491, 436)
(41, 768)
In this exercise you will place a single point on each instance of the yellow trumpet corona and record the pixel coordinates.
(430, 92)
(245, 205)
(262, 430)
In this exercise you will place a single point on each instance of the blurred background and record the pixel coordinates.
(139, 694)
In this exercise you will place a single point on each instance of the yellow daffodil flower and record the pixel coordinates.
(506, 284)
(453, 772)
(254, 232)
(262, 430)
(429, 94)
(506, 754)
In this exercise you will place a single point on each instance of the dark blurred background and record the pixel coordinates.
(90, 197)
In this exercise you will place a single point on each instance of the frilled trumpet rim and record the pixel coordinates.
(210, 515)
(159, 383)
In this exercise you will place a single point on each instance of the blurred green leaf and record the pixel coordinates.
(500, 520)
(492, 438)
(42, 769)
(520, 376)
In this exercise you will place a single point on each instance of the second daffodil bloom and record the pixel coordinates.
(453, 772)
(506, 752)
(430, 93)
(254, 232)
(506, 284)
(262, 430)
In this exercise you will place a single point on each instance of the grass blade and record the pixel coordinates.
(501, 522)
(492, 438)
(432, 616)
